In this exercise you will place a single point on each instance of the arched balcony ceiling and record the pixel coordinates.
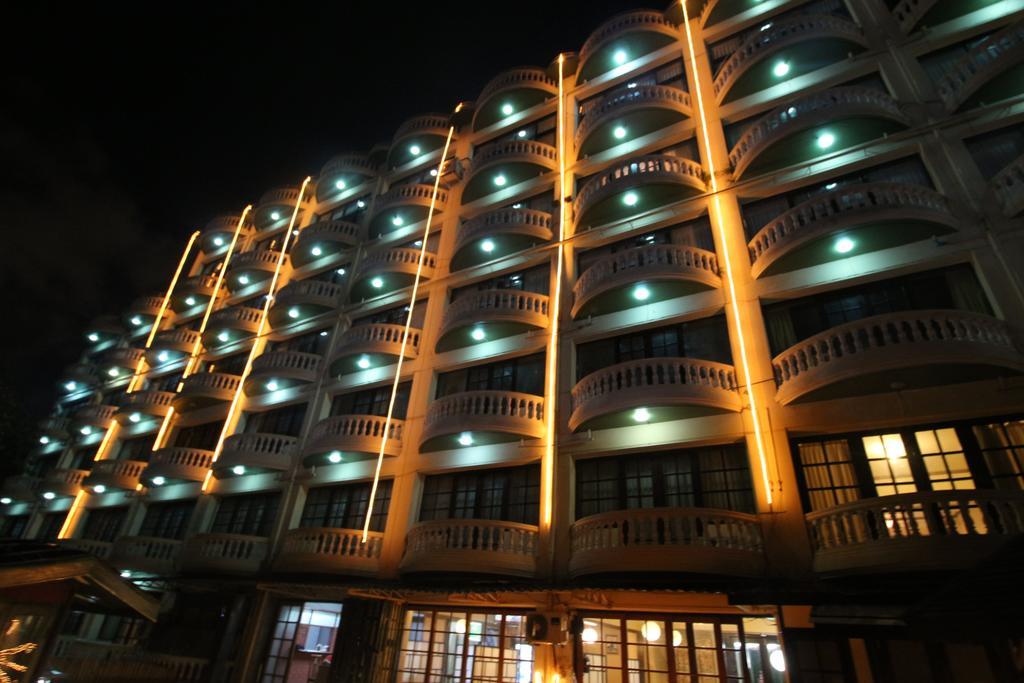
(511, 92)
(621, 40)
(342, 173)
(351, 438)
(417, 139)
(491, 314)
(389, 270)
(405, 205)
(256, 452)
(373, 345)
(913, 14)
(506, 164)
(630, 113)
(991, 71)
(275, 208)
(499, 233)
(303, 299)
(277, 370)
(323, 240)
(477, 418)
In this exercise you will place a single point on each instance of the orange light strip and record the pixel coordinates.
(758, 436)
(65, 529)
(551, 392)
(268, 302)
(405, 332)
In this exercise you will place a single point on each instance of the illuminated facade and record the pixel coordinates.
(713, 373)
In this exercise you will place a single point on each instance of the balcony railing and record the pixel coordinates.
(690, 540)
(890, 342)
(414, 195)
(64, 482)
(100, 549)
(526, 222)
(154, 403)
(179, 464)
(515, 79)
(182, 340)
(432, 124)
(506, 412)
(263, 260)
(98, 416)
(329, 551)
(681, 383)
(1009, 187)
(84, 661)
(354, 434)
(981, 64)
(205, 388)
(343, 233)
(640, 21)
(496, 305)
(245, 318)
(915, 531)
(146, 554)
(122, 475)
(303, 367)
(258, 451)
(620, 102)
(476, 546)
(380, 338)
(312, 293)
(231, 553)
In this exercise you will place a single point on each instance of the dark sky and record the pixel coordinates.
(122, 131)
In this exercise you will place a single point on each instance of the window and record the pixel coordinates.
(714, 477)
(139, 448)
(944, 459)
(203, 437)
(122, 630)
(167, 520)
(373, 402)
(395, 316)
(535, 280)
(829, 477)
(252, 515)
(13, 526)
(818, 659)
(303, 634)
(50, 527)
(890, 467)
(454, 646)
(1002, 446)
(344, 507)
(312, 342)
(510, 494)
(286, 421)
(103, 524)
(524, 375)
(233, 364)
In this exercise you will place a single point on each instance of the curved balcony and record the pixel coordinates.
(303, 299)
(92, 420)
(256, 453)
(786, 49)
(658, 272)
(628, 114)
(121, 475)
(230, 324)
(100, 549)
(491, 314)
(501, 165)
(914, 13)
(636, 186)
(992, 71)
(670, 540)
(1009, 187)
(143, 312)
(171, 346)
(803, 129)
(405, 205)
(62, 483)
(850, 220)
(204, 389)
(140, 405)
(715, 11)
(622, 39)
(329, 551)
(278, 370)
(252, 268)
(54, 428)
(373, 345)
(417, 139)
(388, 270)
(274, 210)
(498, 233)
(324, 239)
(20, 488)
(512, 92)
(195, 292)
(177, 464)
(218, 233)
(937, 530)
(653, 390)
(349, 438)
(342, 173)
(77, 378)
(146, 554)
(103, 331)
(122, 363)
(471, 546)
(909, 349)
(471, 418)
(224, 553)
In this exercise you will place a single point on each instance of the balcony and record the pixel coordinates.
(147, 554)
(669, 540)
(324, 239)
(78, 378)
(992, 71)
(653, 390)
(715, 11)
(350, 438)
(54, 428)
(909, 349)
(341, 174)
(256, 453)
(231, 324)
(140, 405)
(501, 165)
(62, 483)
(206, 388)
(278, 370)
(813, 125)
(471, 546)
(329, 551)
(92, 420)
(172, 345)
(405, 205)
(914, 13)
(850, 220)
(100, 549)
(471, 418)
(87, 661)
(628, 114)
(491, 314)
(644, 275)
(498, 233)
(120, 475)
(385, 271)
(19, 488)
(786, 49)
(373, 345)
(275, 208)
(177, 464)
(219, 232)
(118, 364)
(224, 553)
(417, 138)
(621, 40)
(1009, 187)
(253, 268)
(930, 531)
(512, 92)
(636, 186)
(143, 313)
(103, 331)
(194, 293)
(303, 299)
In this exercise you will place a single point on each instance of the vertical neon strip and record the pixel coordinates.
(65, 529)
(405, 333)
(232, 409)
(730, 283)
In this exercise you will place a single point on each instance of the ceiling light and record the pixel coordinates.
(361, 204)
(334, 457)
(112, 372)
(316, 251)
(223, 337)
(641, 415)
(159, 481)
(433, 173)
(324, 333)
(641, 293)
(134, 417)
(619, 132)
(70, 386)
(620, 57)
(340, 271)
(397, 220)
(777, 660)
(49, 495)
(86, 430)
(93, 337)
(589, 635)
(340, 184)
(162, 356)
(414, 149)
(651, 631)
(500, 180)
(487, 246)
(767, 26)
(243, 279)
(478, 334)
(190, 301)
(125, 574)
(218, 241)
(136, 320)
(363, 362)
(844, 245)
(517, 205)
(831, 186)
(780, 69)
(275, 215)
(826, 140)
(293, 312)
(5, 500)
(465, 439)
(377, 283)
(418, 243)
(521, 134)
(630, 198)
(631, 85)
(99, 488)
(238, 469)
(507, 109)
(44, 440)
(272, 385)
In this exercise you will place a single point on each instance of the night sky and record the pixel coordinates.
(121, 132)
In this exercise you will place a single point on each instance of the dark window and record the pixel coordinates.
(535, 280)
(510, 495)
(373, 402)
(122, 630)
(13, 526)
(50, 527)
(1002, 445)
(313, 342)
(167, 383)
(830, 478)
(395, 316)
(136, 449)
(286, 421)
(524, 375)
(103, 524)
(202, 436)
(167, 520)
(344, 507)
(252, 515)
(994, 151)
(231, 365)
